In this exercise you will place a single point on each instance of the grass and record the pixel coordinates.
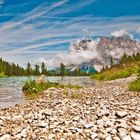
(2, 75)
(35, 87)
(116, 72)
(135, 85)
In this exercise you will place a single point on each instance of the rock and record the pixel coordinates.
(48, 112)
(127, 138)
(135, 136)
(93, 136)
(136, 128)
(1, 121)
(137, 123)
(24, 133)
(5, 137)
(43, 125)
(116, 138)
(100, 122)
(51, 136)
(121, 114)
(122, 133)
(76, 118)
(18, 117)
(108, 138)
(88, 126)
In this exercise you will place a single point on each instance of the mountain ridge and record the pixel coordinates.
(106, 48)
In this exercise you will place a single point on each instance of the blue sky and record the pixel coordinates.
(41, 30)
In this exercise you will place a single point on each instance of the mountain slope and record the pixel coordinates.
(105, 50)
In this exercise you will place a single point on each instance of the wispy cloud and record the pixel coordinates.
(44, 27)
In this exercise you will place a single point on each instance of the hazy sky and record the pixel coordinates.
(41, 30)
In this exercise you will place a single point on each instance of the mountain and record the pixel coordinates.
(105, 50)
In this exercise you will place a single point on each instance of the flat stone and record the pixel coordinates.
(48, 112)
(136, 128)
(51, 136)
(100, 122)
(116, 138)
(137, 123)
(5, 137)
(135, 136)
(93, 136)
(43, 125)
(76, 118)
(108, 138)
(126, 138)
(121, 114)
(122, 133)
(87, 126)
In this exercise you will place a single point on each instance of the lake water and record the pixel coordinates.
(11, 88)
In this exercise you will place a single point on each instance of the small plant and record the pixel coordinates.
(36, 87)
(2, 75)
(135, 85)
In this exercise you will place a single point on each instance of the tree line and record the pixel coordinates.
(12, 69)
(127, 59)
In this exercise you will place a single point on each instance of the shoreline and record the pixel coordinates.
(106, 111)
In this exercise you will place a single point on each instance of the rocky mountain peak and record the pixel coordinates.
(105, 48)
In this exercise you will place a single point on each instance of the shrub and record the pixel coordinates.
(2, 75)
(135, 85)
(35, 87)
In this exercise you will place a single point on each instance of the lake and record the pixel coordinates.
(11, 87)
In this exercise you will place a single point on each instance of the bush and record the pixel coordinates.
(135, 85)
(2, 75)
(35, 87)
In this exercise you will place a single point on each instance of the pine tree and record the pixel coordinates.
(43, 69)
(29, 69)
(36, 71)
(62, 69)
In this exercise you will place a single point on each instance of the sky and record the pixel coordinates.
(42, 30)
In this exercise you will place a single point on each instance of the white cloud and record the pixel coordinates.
(121, 32)
(138, 30)
(74, 56)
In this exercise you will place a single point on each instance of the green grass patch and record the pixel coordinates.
(2, 75)
(135, 85)
(35, 87)
(116, 72)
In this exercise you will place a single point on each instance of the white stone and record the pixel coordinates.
(94, 135)
(121, 114)
(136, 128)
(108, 138)
(51, 136)
(122, 133)
(116, 138)
(135, 136)
(76, 118)
(5, 137)
(127, 138)
(87, 126)
(43, 125)
(100, 122)
(137, 123)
